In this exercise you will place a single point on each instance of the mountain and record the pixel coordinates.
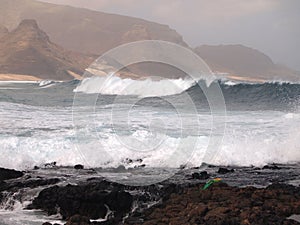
(241, 61)
(27, 50)
(84, 30)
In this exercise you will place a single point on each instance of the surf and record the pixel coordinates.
(114, 85)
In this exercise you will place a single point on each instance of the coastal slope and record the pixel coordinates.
(242, 62)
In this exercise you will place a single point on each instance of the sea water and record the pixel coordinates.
(41, 124)
(150, 124)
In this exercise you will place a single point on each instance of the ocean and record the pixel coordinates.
(46, 122)
(158, 128)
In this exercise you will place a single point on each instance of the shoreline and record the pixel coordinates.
(18, 77)
(169, 202)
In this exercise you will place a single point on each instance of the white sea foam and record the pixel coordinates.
(24, 153)
(38, 135)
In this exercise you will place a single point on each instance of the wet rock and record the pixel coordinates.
(78, 220)
(30, 183)
(47, 223)
(90, 200)
(200, 176)
(119, 201)
(79, 167)
(7, 174)
(225, 170)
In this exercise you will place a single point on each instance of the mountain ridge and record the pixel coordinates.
(75, 30)
(83, 30)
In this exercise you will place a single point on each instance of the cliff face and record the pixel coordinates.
(84, 30)
(28, 50)
(239, 60)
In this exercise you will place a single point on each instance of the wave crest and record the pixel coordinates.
(114, 85)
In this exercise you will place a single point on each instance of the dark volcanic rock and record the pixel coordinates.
(222, 204)
(6, 174)
(31, 183)
(79, 167)
(78, 220)
(89, 200)
(225, 170)
(200, 176)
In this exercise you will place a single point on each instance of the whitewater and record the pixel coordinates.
(148, 122)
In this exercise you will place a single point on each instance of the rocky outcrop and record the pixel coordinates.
(92, 201)
(28, 50)
(222, 204)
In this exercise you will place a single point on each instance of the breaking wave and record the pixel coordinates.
(114, 85)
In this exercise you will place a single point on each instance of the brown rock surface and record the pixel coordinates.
(222, 204)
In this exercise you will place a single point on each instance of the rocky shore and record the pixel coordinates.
(222, 204)
(98, 201)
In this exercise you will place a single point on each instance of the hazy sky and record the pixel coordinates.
(272, 26)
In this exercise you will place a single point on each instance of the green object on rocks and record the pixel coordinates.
(210, 182)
